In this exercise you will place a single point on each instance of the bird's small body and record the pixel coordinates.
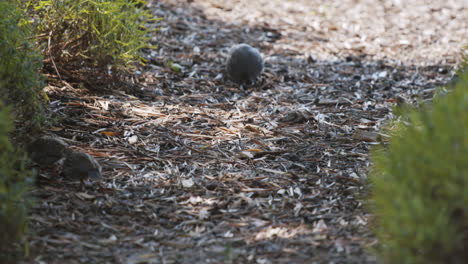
(80, 166)
(47, 150)
(244, 64)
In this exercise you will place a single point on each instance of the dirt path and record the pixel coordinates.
(199, 171)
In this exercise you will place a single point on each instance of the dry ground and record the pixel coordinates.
(197, 170)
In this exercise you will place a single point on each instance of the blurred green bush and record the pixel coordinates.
(20, 63)
(15, 180)
(20, 93)
(91, 34)
(420, 194)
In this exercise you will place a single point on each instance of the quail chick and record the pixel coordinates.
(47, 150)
(244, 64)
(80, 166)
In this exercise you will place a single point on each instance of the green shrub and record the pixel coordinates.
(20, 63)
(420, 194)
(20, 89)
(92, 34)
(15, 180)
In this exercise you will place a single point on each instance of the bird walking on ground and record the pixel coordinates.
(244, 64)
(80, 166)
(45, 151)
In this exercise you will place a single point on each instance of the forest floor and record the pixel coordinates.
(199, 170)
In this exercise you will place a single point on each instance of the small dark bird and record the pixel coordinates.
(47, 150)
(80, 166)
(244, 64)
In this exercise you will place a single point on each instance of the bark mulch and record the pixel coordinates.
(200, 170)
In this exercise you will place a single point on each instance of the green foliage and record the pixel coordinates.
(420, 195)
(20, 89)
(92, 33)
(15, 180)
(20, 80)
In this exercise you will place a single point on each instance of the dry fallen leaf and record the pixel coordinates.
(188, 183)
(133, 139)
(109, 133)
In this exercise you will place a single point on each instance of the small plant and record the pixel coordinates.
(20, 63)
(15, 180)
(91, 35)
(420, 184)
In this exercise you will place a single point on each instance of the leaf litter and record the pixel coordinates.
(199, 170)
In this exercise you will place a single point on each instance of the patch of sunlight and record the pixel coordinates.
(281, 232)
